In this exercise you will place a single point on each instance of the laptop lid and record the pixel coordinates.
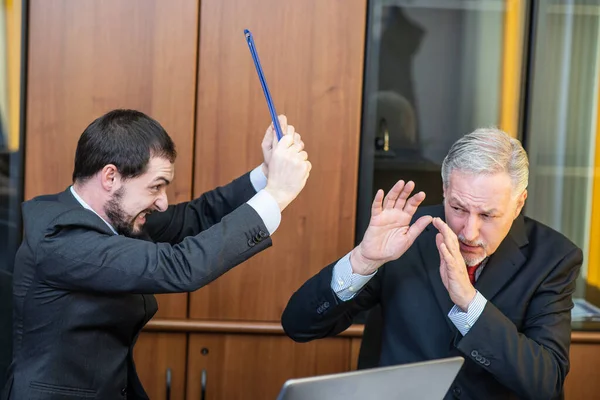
(427, 380)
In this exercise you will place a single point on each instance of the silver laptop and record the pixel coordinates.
(427, 380)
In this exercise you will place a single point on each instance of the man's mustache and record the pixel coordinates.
(471, 243)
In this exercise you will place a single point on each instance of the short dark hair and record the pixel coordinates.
(125, 138)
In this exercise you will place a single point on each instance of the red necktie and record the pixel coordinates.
(471, 272)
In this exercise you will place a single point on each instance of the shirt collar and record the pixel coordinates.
(86, 205)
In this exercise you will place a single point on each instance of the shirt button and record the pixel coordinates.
(467, 326)
(351, 288)
(341, 282)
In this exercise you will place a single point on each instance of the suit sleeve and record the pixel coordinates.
(535, 361)
(315, 312)
(74, 256)
(190, 218)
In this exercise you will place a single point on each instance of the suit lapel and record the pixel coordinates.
(505, 262)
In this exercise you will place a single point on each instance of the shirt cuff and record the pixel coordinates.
(464, 321)
(346, 284)
(268, 210)
(258, 178)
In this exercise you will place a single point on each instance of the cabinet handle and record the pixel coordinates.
(168, 383)
(203, 387)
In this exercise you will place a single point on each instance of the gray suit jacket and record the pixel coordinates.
(82, 294)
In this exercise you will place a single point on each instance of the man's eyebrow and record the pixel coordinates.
(457, 201)
(160, 178)
(481, 210)
(490, 211)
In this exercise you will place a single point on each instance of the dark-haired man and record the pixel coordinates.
(93, 255)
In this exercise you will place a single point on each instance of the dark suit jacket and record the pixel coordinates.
(82, 294)
(519, 346)
(5, 323)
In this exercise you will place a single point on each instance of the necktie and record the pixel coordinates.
(471, 271)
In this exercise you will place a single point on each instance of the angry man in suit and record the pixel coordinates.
(471, 277)
(93, 256)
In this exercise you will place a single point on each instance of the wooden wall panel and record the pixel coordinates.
(312, 55)
(88, 57)
(248, 367)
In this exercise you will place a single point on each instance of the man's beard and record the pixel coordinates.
(472, 260)
(119, 219)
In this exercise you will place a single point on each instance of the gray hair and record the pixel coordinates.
(488, 151)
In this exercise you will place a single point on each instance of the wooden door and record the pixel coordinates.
(312, 55)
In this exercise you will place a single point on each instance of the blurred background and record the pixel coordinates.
(379, 90)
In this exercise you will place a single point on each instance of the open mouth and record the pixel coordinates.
(142, 216)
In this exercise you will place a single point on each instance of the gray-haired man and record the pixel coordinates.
(471, 277)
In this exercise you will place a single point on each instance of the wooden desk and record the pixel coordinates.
(583, 381)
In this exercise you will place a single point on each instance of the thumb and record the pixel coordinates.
(282, 123)
(268, 139)
(415, 229)
(274, 139)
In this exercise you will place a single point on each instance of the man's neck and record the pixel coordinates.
(93, 199)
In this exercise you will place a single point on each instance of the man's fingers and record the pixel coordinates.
(449, 237)
(393, 194)
(289, 131)
(298, 141)
(419, 226)
(406, 191)
(377, 206)
(447, 256)
(439, 239)
(413, 203)
(286, 141)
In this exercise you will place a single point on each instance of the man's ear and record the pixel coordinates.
(110, 177)
(520, 203)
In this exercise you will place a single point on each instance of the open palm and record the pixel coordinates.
(390, 234)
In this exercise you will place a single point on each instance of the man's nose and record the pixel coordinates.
(471, 228)
(162, 202)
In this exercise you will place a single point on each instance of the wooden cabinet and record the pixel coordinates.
(582, 381)
(249, 366)
(313, 63)
(89, 57)
(160, 360)
(186, 64)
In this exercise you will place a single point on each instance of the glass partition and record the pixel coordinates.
(11, 127)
